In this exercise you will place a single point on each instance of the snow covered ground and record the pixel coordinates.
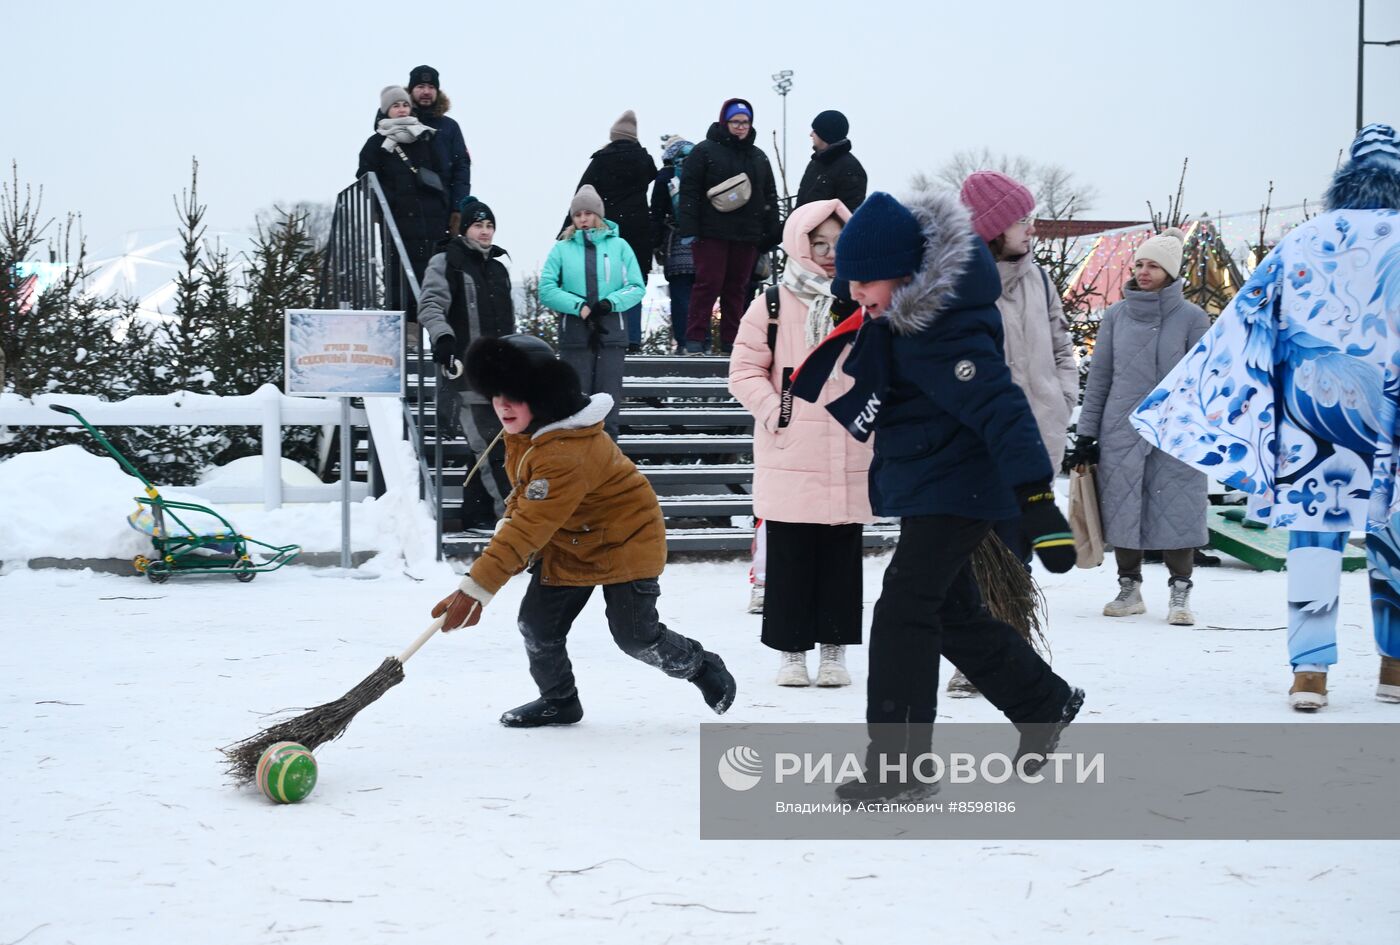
(432, 823)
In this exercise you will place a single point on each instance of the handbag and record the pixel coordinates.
(426, 177)
(1084, 519)
(729, 195)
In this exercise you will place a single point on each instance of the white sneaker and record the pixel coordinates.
(756, 600)
(1179, 609)
(1128, 601)
(832, 670)
(792, 670)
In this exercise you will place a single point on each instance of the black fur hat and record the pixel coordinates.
(524, 368)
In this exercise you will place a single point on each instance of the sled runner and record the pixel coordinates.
(180, 548)
(1260, 547)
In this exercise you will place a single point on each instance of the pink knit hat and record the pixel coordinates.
(996, 202)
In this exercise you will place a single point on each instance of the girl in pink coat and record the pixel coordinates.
(810, 475)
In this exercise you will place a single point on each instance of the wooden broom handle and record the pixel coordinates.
(423, 637)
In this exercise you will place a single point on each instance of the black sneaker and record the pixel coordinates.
(715, 683)
(544, 712)
(895, 790)
(1042, 738)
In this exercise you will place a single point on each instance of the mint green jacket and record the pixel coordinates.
(563, 283)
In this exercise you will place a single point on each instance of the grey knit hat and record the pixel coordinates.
(391, 94)
(625, 128)
(587, 199)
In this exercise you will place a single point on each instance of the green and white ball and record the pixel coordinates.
(287, 772)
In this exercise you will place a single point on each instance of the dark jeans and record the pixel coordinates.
(931, 606)
(1179, 562)
(680, 288)
(813, 585)
(723, 269)
(547, 613)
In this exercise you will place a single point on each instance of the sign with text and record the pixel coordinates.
(341, 353)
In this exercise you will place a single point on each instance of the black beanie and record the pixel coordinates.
(423, 75)
(474, 211)
(831, 126)
(524, 368)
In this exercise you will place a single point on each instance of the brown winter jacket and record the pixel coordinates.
(578, 505)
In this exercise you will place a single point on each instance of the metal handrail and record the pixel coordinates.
(364, 240)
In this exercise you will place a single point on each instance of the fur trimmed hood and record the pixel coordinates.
(952, 270)
(1365, 185)
(441, 107)
(597, 410)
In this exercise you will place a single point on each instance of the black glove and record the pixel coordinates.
(601, 307)
(596, 329)
(1045, 528)
(1085, 452)
(443, 349)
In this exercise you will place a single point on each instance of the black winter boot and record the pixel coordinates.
(1042, 738)
(544, 712)
(715, 683)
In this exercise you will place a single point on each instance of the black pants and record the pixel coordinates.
(813, 585)
(547, 612)
(931, 606)
(1011, 535)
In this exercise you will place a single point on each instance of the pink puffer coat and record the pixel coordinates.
(810, 471)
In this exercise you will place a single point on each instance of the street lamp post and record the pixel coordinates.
(1361, 43)
(782, 84)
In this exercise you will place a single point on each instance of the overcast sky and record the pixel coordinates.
(110, 101)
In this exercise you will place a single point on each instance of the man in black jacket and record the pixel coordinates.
(729, 209)
(431, 105)
(833, 173)
(466, 295)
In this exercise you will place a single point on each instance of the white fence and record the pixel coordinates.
(267, 407)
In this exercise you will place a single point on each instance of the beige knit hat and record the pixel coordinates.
(1165, 249)
(391, 95)
(625, 128)
(587, 199)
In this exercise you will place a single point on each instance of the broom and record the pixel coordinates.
(325, 723)
(1009, 591)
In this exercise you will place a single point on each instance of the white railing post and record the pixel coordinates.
(272, 447)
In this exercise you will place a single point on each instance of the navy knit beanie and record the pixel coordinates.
(882, 240)
(831, 126)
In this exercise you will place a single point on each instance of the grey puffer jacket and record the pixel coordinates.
(1039, 350)
(1147, 499)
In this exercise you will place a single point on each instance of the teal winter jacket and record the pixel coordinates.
(564, 283)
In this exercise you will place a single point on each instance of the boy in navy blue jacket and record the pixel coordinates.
(957, 449)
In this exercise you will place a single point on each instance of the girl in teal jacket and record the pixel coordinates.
(590, 278)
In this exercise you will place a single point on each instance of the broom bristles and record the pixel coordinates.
(1011, 594)
(314, 727)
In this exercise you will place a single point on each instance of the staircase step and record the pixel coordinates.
(675, 366)
(717, 416)
(648, 444)
(706, 506)
(679, 541)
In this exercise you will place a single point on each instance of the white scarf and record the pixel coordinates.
(815, 291)
(402, 131)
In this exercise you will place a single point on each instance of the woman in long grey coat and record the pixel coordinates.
(1147, 499)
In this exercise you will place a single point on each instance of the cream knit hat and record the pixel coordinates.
(1165, 249)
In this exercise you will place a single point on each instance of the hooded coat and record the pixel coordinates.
(954, 435)
(716, 159)
(1039, 350)
(1291, 396)
(621, 173)
(809, 471)
(833, 174)
(1147, 498)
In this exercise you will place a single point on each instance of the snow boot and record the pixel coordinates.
(1309, 691)
(832, 669)
(897, 791)
(1389, 688)
(715, 683)
(544, 712)
(960, 687)
(756, 599)
(1179, 609)
(1128, 601)
(1042, 738)
(792, 670)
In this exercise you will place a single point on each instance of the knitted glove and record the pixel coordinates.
(443, 349)
(1045, 528)
(1085, 452)
(602, 307)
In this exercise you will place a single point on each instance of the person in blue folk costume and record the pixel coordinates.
(1291, 397)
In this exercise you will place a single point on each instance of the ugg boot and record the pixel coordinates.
(792, 670)
(1309, 691)
(832, 669)
(1128, 601)
(960, 687)
(1179, 608)
(1389, 688)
